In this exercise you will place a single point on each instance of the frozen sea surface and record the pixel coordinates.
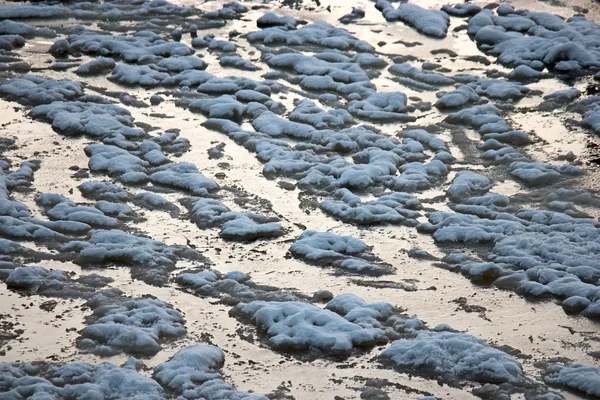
(299, 200)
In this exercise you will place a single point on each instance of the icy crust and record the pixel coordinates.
(238, 62)
(130, 11)
(9, 11)
(394, 208)
(231, 10)
(541, 174)
(239, 226)
(319, 34)
(537, 40)
(472, 93)
(33, 90)
(427, 77)
(194, 373)
(106, 122)
(356, 14)
(452, 357)
(142, 47)
(589, 108)
(579, 377)
(329, 72)
(498, 148)
(151, 260)
(271, 19)
(59, 208)
(97, 66)
(231, 288)
(382, 107)
(428, 22)
(8, 27)
(346, 324)
(131, 325)
(537, 253)
(76, 380)
(307, 112)
(344, 252)
(52, 283)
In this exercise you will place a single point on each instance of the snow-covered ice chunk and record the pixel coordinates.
(194, 372)
(429, 22)
(319, 33)
(308, 112)
(580, 377)
(238, 62)
(231, 288)
(96, 66)
(136, 326)
(539, 173)
(32, 90)
(382, 107)
(77, 380)
(344, 252)
(184, 176)
(453, 357)
(52, 283)
(466, 184)
(151, 260)
(208, 213)
(271, 19)
(295, 326)
(394, 208)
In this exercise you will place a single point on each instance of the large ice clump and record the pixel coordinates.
(344, 252)
(242, 226)
(231, 10)
(9, 11)
(144, 46)
(319, 33)
(452, 357)
(231, 288)
(394, 208)
(60, 208)
(429, 22)
(539, 173)
(194, 372)
(346, 324)
(135, 326)
(536, 39)
(183, 176)
(151, 260)
(295, 326)
(76, 380)
(107, 122)
(580, 377)
(382, 107)
(33, 90)
(52, 283)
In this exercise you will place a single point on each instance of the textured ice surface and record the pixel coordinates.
(394, 208)
(242, 226)
(452, 357)
(76, 380)
(151, 260)
(429, 22)
(579, 377)
(344, 252)
(53, 283)
(130, 325)
(231, 288)
(194, 372)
